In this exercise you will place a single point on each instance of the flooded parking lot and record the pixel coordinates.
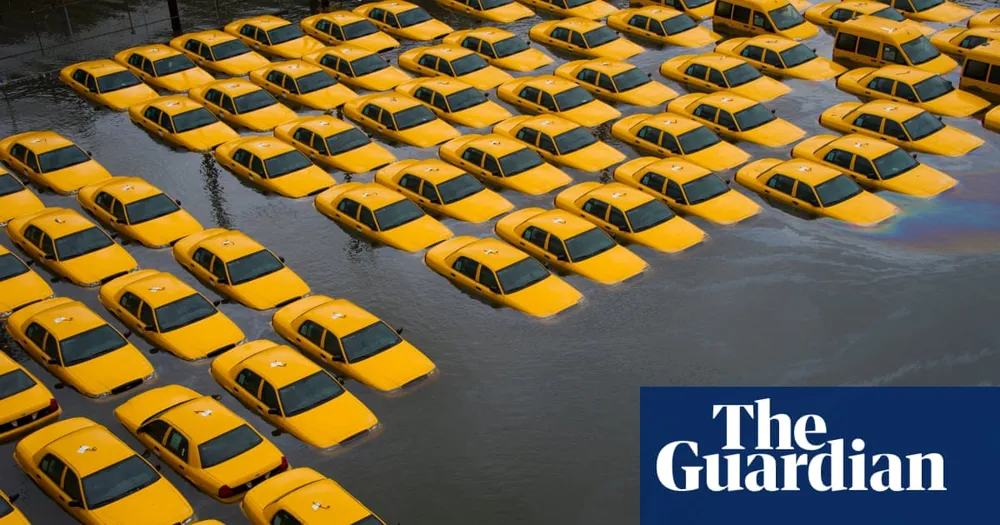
(537, 421)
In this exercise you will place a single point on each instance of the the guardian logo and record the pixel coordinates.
(791, 456)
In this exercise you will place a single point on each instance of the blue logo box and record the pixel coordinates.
(839, 455)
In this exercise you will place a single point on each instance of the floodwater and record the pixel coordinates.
(537, 421)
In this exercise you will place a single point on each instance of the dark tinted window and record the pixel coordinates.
(805, 193)
(920, 50)
(741, 74)
(846, 42)
(90, 344)
(253, 101)
(227, 446)
(117, 481)
(308, 393)
(11, 266)
(397, 214)
(799, 54)
(288, 162)
(314, 82)
(346, 141)
(573, 97)
(648, 215)
(284, 33)
(116, 81)
(171, 65)
(678, 24)
(837, 190)
(573, 140)
(786, 17)
(889, 14)
(781, 183)
(150, 208)
(412, 17)
(975, 69)
(697, 139)
(468, 64)
(894, 163)
(933, 87)
(922, 125)
(869, 122)
(521, 274)
(358, 29)
(194, 119)
(723, 9)
(868, 47)
(229, 49)
(741, 14)
(585, 245)
(82, 243)
(704, 188)
(600, 36)
(368, 341)
(253, 266)
(14, 382)
(459, 188)
(839, 157)
(465, 99)
(893, 129)
(753, 117)
(61, 158)
(183, 312)
(520, 161)
(8, 185)
(413, 117)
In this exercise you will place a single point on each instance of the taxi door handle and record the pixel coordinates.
(854, 129)
(767, 192)
(868, 92)
(181, 468)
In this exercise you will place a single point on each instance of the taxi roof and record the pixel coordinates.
(560, 223)
(657, 12)
(324, 125)
(806, 171)
(577, 23)
(265, 22)
(294, 68)
(174, 104)
(340, 316)
(129, 189)
(671, 122)
(490, 34)
(59, 222)
(726, 100)
(492, 252)
(495, 144)
(717, 60)
(618, 195)
(153, 52)
(263, 146)
(607, 65)
(335, 503)
(393, 6)
(348, 52)
(230, 244)
(773, 42)
(90, 449)
(549, 83)
(67, 319)
(393, 102)
(211, 36)
(202, 419)
(445, 51)
(989, 51)
(884, 108)
(907, 74)
(373, 195)
(677, 170)
(895, 31)
(991, 32)
(864, 145)
(433, 170)
(233, 87)
(100, 67)
(42, 141)
(444, 85)
(159, 288)
(549, 123)
(280, 365)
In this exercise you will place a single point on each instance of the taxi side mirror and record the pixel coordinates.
(398, 330)
(127, 333)
(774, 112)
(29, 262)
(217, 397)
(728, 182)
(149, 328)
(562, 257)
(13, 497)
(89, 154)
(623, 228)
(914, 155)
(282, 259)
(217, 302)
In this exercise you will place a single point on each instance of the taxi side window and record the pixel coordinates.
(726, 120)
(472, 155)
(557, 248)
(429, 193)
(17, 151)
(905, 92)
(535, 236)
(146, 315)
(165, 122)
(653, 181)
(973, 69)
(192, 45)
(706, 112)
(248, 30)
(846, 42)
(617, 218)
(668, 142)
(488, 279)
(331, 345)
(36, 334)
(80, 76)
(155, 429)
(545, 142)
(367, 218)
(674, 191)
(423, 94)
(752, 53)
(249, 380)
(412, 183)
(52, 467)
(487, 50)
(32, 161)
(781, 183)
(772, 59)
(741, 14)
(723, 9)
(371, 111)
(470, 43)
(313, 332)
(284, 518)
(891, 54)
(441, 103)
(649, 133)
(868, 47)
(118, 211)
(577, 39)
(715, 77)
(466, 267)
(130, 302)
(386, 120)
(51, 347)
(91, 84)
(377, 14)
(48, 247)
(596, 208)
(869, 122)
(257, 166)
(177, 444)
(587, 75)
(203, 257)
(839, 157)
(219, 270)
(881, 84)
(206, 53)
(302, 135)
(970, 42)
(656, 27)
(214, 96)
(275, 77)
(227, 104)
(893, 129)
(804, 192)
(638, 21)
(761, 21)
(842, 15)
(348, 207)
(529, 93)
(547, 102)
(444, 67)
(71, 485)
(135, 60)
(560, 33)
(147, 66)
(390, 20)
(344, 67)
(605, 82)
(336, 32)
(491, 165)
(864, 167)
(995, 75)
(152, 114)
(527, 135)
(268, 396)
(33, 235)
(104, 200)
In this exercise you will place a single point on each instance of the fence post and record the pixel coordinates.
(175, 17)
(128, 11)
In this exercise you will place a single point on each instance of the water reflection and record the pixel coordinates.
(210, 172)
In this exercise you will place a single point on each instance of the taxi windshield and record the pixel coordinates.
(113, 483)
(253, 266)
(697, 139)
(922, 125)
(678, 24)
(183, 312)
(8, 185)
(519, 161)
(465, 99)
(82, 243)
(287, 162)
(796, 55)
(837, 190)
(493, 4)
(194, 119)
(413, 117)
(346, 141)
(704, 188)
(920, 50)
(90, 344)
(923, 5)
(412, 17)
(648, 215)
(358, 29)
(509, 46)
(150, 208)
(62, 158)
(11, 266)
(573, 140)
(894, 163)
(171, 65)
(253, 101)
(397, 214)
(600, 36)
(314, 82)
(280, 35)
(585, 245)
(14, 382)
(459, 188)
(889, 14)
(785, 17)
(741, 74)
(933, 87)
(521, 275)
(233, 48)
(370, 340)
(116, 81)
(630, 79)
(228, 445)
(308, 393)
(468, 64)
(573, 97)
(368, 64)
(754, 116)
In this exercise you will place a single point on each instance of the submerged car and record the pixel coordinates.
(503, 11)
(453, 61)
(662, 25)
(781, 57)
(51, 161)
(504, 162)
(931, 10)
(358, 67)
(304, 84)
(673, 135)
(914, 86)
(957, 41)
(243, 103)
(500, 48)
(552, 94)
(589, 9)
(455, 101)
(106, 83)
(15, 199)
(274, 166)
(19, 284)
(737, 118)
(404, 20)
(163, 67)
(138, 210)
(180, 121)
(443, 189)
(345, 27)
(294, 495)
(219, 52)
(335, 144)
(273, 36)
(560, 141)
(985, 18)
(400, 117)
(584, 37)
(616, 80)
(25, 406)
(717, 72)
(834, 14)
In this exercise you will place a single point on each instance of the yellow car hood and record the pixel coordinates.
(24, 403)
(21, 290)
(619, 49)
(718, 157)
(247, 466)
(538, 180)
(329, 97)
(266, 118)
(272, 289)
(545, 298)
(296, 48)
(429, 30)
(488, 77)
(128, 97)
(96, 266)
(377, 42)
(674, 235)
(185, 80)
(864, 209)
(485, 114)
(762, 89)
(382, 80)
(304, 182)
(612, 266)
(75, 177)
(160, 499)
(392, 368)
(591, 114)
(946, 12)
(800, 32)
(940, 65)
(776, 133)
(478, 207)
(729, 208)
(429, 134)
(921, 181)
(208, 137)
(648, 94)
(594, 157)
(20, 203)
(328, 424)
(417, 235)
(957, 103)
(198, 339)
(592, 11)
(365, 158)
(817, 69)
(949, 141)
(111, 370)
(240, 65)
(526, 60)
(162, 231)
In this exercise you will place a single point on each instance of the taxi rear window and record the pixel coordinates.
(11, 383)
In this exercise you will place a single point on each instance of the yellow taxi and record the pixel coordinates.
(358, 67)
(834, 14)
(814, 189)
(97, 478)
(502, 274)
(303, 495)
(932, 10)
(737, 118)
(503, 11)
(106, 83)
(353, 342)
(906, 126)
(914, 86)
(503, 162)
(584, 37)
(203, 441)
(273, 36)
(717, 72)
(163, 67)
(616, 80)
(560, 141)
(687, 188)
(335, 144)
(875, 164)
(564, 241)
(630, 215)
(443, 189)
(672, 135)
(985, 18)
(345, 27)
(867, 41)
(302, 83)
(400, 117)
(243, 103)
(182, 122)
(956, 41)
(138, 210)
(19, 285)
(70, 246)
(992, 120)
(404, 20)
(552, 94)
(499, 48)
(51, 161)
(79, 348)
(219, 52)
(662, 25)
(455, 101)
(25, 404)
(382, 215)
(170, 314)
(9, 514)
(238, 267)
(293, 393)
(453, 61)
(781, 57)
(698, 10)
(779, 17)
(15, 198)
(588, 9)
(273, 165)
